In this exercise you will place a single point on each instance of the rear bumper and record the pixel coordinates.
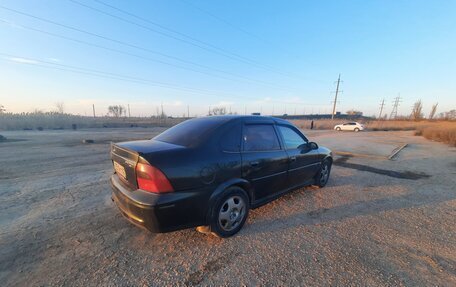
(159, 212)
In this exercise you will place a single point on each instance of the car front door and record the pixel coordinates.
(264, 161)
(303, 161)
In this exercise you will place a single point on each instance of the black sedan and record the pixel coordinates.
(210, 171)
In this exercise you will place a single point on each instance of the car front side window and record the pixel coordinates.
(291, 139)
(260, 137)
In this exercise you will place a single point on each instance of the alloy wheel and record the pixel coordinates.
(324, 173)
(231, 213)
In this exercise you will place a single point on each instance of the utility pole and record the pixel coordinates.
(129, 115)
(93, 108)
(395, 106)
(188, 111)
(335, 98)
(381, 109)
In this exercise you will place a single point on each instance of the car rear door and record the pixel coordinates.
(303, 161)
(264, 161)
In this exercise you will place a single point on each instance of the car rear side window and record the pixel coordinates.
(188, 133)
(231, 139)
(260, 138)
(291, 139)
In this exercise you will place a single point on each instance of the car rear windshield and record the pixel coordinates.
(189, 133)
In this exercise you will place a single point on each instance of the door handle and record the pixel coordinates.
(293, 158)
(254, 163)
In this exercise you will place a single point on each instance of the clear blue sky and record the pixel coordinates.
(254, 55)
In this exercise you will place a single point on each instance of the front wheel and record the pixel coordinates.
(322, 177)
(230, 212)
(338, 129)
(356, 130)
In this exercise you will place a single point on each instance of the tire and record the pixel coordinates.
(356, 130)
(322, 176)
(230, 212)
(338, 129)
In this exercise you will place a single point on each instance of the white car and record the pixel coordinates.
(350, 126)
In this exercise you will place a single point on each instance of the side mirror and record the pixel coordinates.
(308, 147)
(313, 145)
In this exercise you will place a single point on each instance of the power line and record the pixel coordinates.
(172, 30)
(114, 76)
(104, 37)
(212, 49)
(153, 60)
(221, 20)
(103, 74)
(235, 27)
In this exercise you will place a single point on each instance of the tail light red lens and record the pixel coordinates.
(152, 179)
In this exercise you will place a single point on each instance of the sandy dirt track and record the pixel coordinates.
(379, 222)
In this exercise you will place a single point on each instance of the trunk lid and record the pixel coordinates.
(126, 155)
(124, 162)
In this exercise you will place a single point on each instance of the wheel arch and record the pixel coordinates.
(238, 182)
(329, 158)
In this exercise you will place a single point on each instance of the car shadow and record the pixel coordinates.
(413, 199)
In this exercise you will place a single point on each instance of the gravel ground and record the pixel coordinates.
(379, 222)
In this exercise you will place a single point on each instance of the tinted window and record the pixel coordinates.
(260, 138)
(291, 138)
(189, 133)
(231, 139)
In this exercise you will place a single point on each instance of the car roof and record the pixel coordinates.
(245, 118)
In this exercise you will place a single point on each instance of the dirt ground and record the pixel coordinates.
(379, 222)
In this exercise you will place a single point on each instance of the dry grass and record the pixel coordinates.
(443, 131)
(40, 121)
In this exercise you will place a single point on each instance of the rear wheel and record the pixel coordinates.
(230, 212)
(322, 177)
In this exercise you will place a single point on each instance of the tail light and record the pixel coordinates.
(152, 179)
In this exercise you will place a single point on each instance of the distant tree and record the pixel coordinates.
(2, 109)
(354, 113)
(433, 111)
(417, 111)
(60, 106)
(217, 111)
(451, 115)
(116, 111)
